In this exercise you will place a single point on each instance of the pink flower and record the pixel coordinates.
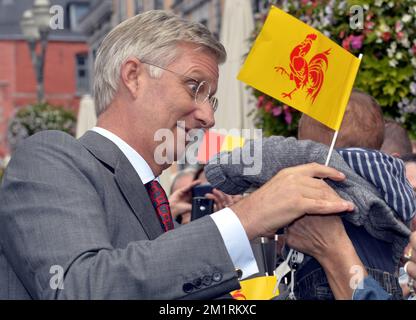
(357, 42)
(288, 117)
(269, 106)
(260, 102)
(346, 43)
(277, 111)
(400, 35)
(369, 25)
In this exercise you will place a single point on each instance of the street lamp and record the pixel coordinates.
(35, 27)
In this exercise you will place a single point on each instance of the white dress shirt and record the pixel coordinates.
(229, 226)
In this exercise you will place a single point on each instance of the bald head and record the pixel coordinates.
(362, 126)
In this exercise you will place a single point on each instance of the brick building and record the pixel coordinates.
(66, 74)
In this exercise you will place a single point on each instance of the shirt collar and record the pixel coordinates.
(139, 164)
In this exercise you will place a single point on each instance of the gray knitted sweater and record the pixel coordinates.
(228, 172)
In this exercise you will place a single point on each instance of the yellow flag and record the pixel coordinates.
(301, 67)
(260, 288)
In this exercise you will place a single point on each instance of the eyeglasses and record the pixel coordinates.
(199, 90)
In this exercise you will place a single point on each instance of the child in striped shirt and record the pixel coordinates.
(376, 183)
(360, 137)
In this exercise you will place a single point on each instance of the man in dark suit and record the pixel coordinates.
(87, 218)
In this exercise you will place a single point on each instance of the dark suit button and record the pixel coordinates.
(239, 273)
(206, 281)
(188, 287)
(217, 276)
(197, 283)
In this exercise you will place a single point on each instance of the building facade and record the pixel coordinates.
(66, 73)
(207, 12)
(104, 15)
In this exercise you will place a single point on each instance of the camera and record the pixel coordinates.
(201, 206)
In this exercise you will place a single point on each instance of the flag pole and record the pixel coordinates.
(331, 148)
(334, 138)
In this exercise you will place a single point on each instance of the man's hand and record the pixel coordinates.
(289, 195)
(180, 201)
(324, 238)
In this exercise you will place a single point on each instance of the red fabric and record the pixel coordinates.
(160, 203)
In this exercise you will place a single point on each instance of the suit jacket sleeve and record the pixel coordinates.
(52, 217)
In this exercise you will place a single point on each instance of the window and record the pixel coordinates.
(76, 11)
(138, 6)
(82, 78)
(159, 4)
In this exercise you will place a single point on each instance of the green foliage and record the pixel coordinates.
(386, 38)
(39, 117)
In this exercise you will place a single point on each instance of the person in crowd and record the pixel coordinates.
(410, 164)
(180, 195)
(410, 266)
(396, 139)
(376, 183)
(325, 237)
(221, 199)
(180, 199)
(182, 178)
(87, 218)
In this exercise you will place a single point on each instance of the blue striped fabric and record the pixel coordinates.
(387, 173)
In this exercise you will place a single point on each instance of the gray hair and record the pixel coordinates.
(153, 37)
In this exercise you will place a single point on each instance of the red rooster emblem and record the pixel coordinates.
(306, 75)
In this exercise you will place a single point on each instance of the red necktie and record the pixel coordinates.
(160, 203)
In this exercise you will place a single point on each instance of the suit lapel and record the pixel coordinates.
(127, 179)
(134, 191)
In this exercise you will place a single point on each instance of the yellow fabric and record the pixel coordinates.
(260, 288)
(288, 50)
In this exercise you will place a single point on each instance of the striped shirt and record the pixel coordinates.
(387, 174)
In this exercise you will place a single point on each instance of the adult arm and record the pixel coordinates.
(52, 217)
(325, 238)
(51, 214)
